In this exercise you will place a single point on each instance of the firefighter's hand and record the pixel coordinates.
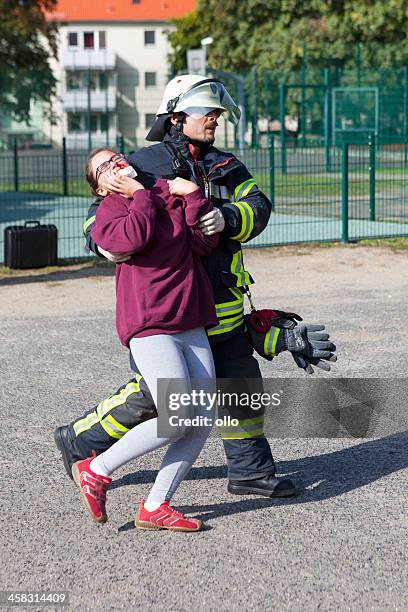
(115, 257)
(180, 186)
(212, 223)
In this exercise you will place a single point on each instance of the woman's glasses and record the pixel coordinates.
(106, 165)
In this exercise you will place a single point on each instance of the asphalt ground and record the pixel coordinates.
(340, 544)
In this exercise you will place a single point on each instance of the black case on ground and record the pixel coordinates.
(30, 245)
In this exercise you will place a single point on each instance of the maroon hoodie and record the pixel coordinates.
(163, 288)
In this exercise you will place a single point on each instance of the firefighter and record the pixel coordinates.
(185, 130)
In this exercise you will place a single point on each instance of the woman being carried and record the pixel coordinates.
(164, 302)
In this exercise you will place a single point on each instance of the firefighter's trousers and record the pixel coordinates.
(247, 450)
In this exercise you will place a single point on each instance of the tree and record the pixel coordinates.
(273, 34)
(27, 44)
(188, 35)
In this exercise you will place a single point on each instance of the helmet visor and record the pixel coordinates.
(198, 112)
(209, 95)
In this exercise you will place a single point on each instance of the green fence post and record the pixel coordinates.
(64, 167)
(271, 144)
(120, 143)
(405, 105)
(254, 121)
(303, 69)
(372, 145)
(344, 192)
(327, 107)
(15, 157)
(282, 96)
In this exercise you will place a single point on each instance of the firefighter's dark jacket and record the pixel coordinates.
(245, 208)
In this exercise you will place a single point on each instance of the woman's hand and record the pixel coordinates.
(180, 186)
(115, 183)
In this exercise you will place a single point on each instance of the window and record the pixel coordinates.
(72, 39)
(150, 118)
(150, 79)
(104, 122)
(78, 122)
(149, 37)
(74, 80)
(89, 40)
(91, 79)
(94, 122)
(74, 122)
(103, 80)
(102, 40)
(135, 1)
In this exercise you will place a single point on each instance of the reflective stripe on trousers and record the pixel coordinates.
(113, 428)
(247, 428)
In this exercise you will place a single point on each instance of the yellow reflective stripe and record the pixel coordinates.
(245, 425)
(237, 268)
(114, 400)
(271, 338)
(247, 190)
(111, 432)
(89, 222)
(228, 310)
(247, 221)
(225, 327)
(257, 433)
(243, 189)
(113, 428)
(86, 423)
(244, 422)
(237, 294)
(232, 319)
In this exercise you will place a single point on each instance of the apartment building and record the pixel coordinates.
(112, 68)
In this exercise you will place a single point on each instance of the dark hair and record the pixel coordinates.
(90, 177)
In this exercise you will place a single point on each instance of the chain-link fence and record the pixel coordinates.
(344, 192)
(328, 106)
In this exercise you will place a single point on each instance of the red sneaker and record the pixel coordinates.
(93, 489)
(165, 517)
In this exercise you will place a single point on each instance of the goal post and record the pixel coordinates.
(355, 114)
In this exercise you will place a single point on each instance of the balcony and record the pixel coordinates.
(98, 139)
(77, 59)
(101, 100)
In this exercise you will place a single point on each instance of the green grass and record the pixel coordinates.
(304, 186)
(72, 265)
(311, 185)
(397, 245)
(76, 187)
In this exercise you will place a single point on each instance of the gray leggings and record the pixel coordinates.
(184, 356)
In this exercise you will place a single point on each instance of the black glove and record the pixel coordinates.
(310, 346)
(306, 363)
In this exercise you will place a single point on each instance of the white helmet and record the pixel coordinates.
(192, 91)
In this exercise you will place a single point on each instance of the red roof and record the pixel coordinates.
(120, 10)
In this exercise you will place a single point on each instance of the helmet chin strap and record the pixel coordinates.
(177, 132)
